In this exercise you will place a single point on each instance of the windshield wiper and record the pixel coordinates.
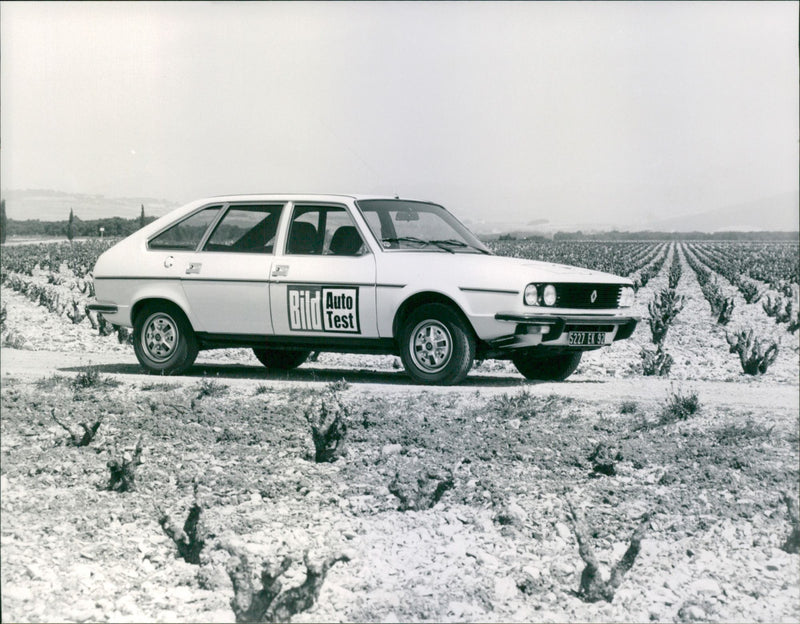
(458, 243)
(413, 239)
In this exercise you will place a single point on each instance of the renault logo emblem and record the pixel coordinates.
(593, 298)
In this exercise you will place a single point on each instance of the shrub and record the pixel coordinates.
(159, 386)
(794, 324)
(755, 354)
(674, 272)
(105, 328)
(421, 488)
(327, 416)
(750, 430)
(91, 378)
(726, 311)
(123, 470)
(53, 381)
(77, 438)
(656, 362)
(792, 543)
(124, 335)
(663, 309)
(510, 406)
(628, 407)
(594, 586)
(782, 310)
(773, 306)
(679, 406)
(76, 314)
(191, 538)
(272, 603)
(714, 295)
(749, 289)
(211, 388)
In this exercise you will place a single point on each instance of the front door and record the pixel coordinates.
(323, 283)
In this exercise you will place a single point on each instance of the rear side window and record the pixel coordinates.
(246, 229)
(187, 234)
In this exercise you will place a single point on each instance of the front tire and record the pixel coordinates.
(547, 368)
(436, 345)
(163, 340)
(281, 360)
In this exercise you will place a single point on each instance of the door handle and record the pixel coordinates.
(194, 267)
(280, 270)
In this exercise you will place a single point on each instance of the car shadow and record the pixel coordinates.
(310, 375)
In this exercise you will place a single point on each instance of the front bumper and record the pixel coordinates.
(533, 329)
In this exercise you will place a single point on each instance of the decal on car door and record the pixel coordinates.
(323, 309)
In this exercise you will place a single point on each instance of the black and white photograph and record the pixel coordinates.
(399, 311)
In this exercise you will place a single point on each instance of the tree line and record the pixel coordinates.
(644, 235)
(678, 236)
(72, 227)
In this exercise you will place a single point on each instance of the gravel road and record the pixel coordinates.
(22, 363)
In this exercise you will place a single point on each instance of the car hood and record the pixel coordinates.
(473, 271)
(538, 271)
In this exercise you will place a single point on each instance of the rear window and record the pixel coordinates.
(186, 234)
(246, 229)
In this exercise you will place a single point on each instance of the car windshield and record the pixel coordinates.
(419, 226)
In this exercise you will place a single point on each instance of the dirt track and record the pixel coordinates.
(36, 364)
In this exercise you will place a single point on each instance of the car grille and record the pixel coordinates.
(580, 296)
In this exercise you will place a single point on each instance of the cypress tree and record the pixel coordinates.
(3, 222)
(141, 218)
(71, 225)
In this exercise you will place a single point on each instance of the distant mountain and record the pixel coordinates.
(776, 213)
(48, 205)
(779, 213)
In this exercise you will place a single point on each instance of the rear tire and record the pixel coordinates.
(163, 339)
(281, 360)
(436, 346)
(546, 368)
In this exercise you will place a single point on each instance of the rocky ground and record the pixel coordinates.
(450, 504)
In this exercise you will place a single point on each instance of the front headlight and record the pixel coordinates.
(531, 295)
(626, 297)
(549, 295)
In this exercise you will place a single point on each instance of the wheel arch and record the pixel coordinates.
(137, 307)
(425, 297)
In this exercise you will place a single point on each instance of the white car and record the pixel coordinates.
(290, 274)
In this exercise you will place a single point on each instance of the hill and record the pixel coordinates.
(775, 213)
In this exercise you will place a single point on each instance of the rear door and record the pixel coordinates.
(227, 281)
(323, 281)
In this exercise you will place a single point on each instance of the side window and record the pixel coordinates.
(323, 230)
(246, 229)
(187, 234)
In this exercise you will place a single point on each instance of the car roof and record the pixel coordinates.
(302, 197)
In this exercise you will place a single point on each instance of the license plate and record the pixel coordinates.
(584, 339)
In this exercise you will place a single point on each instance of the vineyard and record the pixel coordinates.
(751, 295)
(341, 492)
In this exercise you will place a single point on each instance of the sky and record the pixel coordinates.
(599, 111)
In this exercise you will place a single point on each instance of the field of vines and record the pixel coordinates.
(697, 298)
(739, 298)
(342, 492)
